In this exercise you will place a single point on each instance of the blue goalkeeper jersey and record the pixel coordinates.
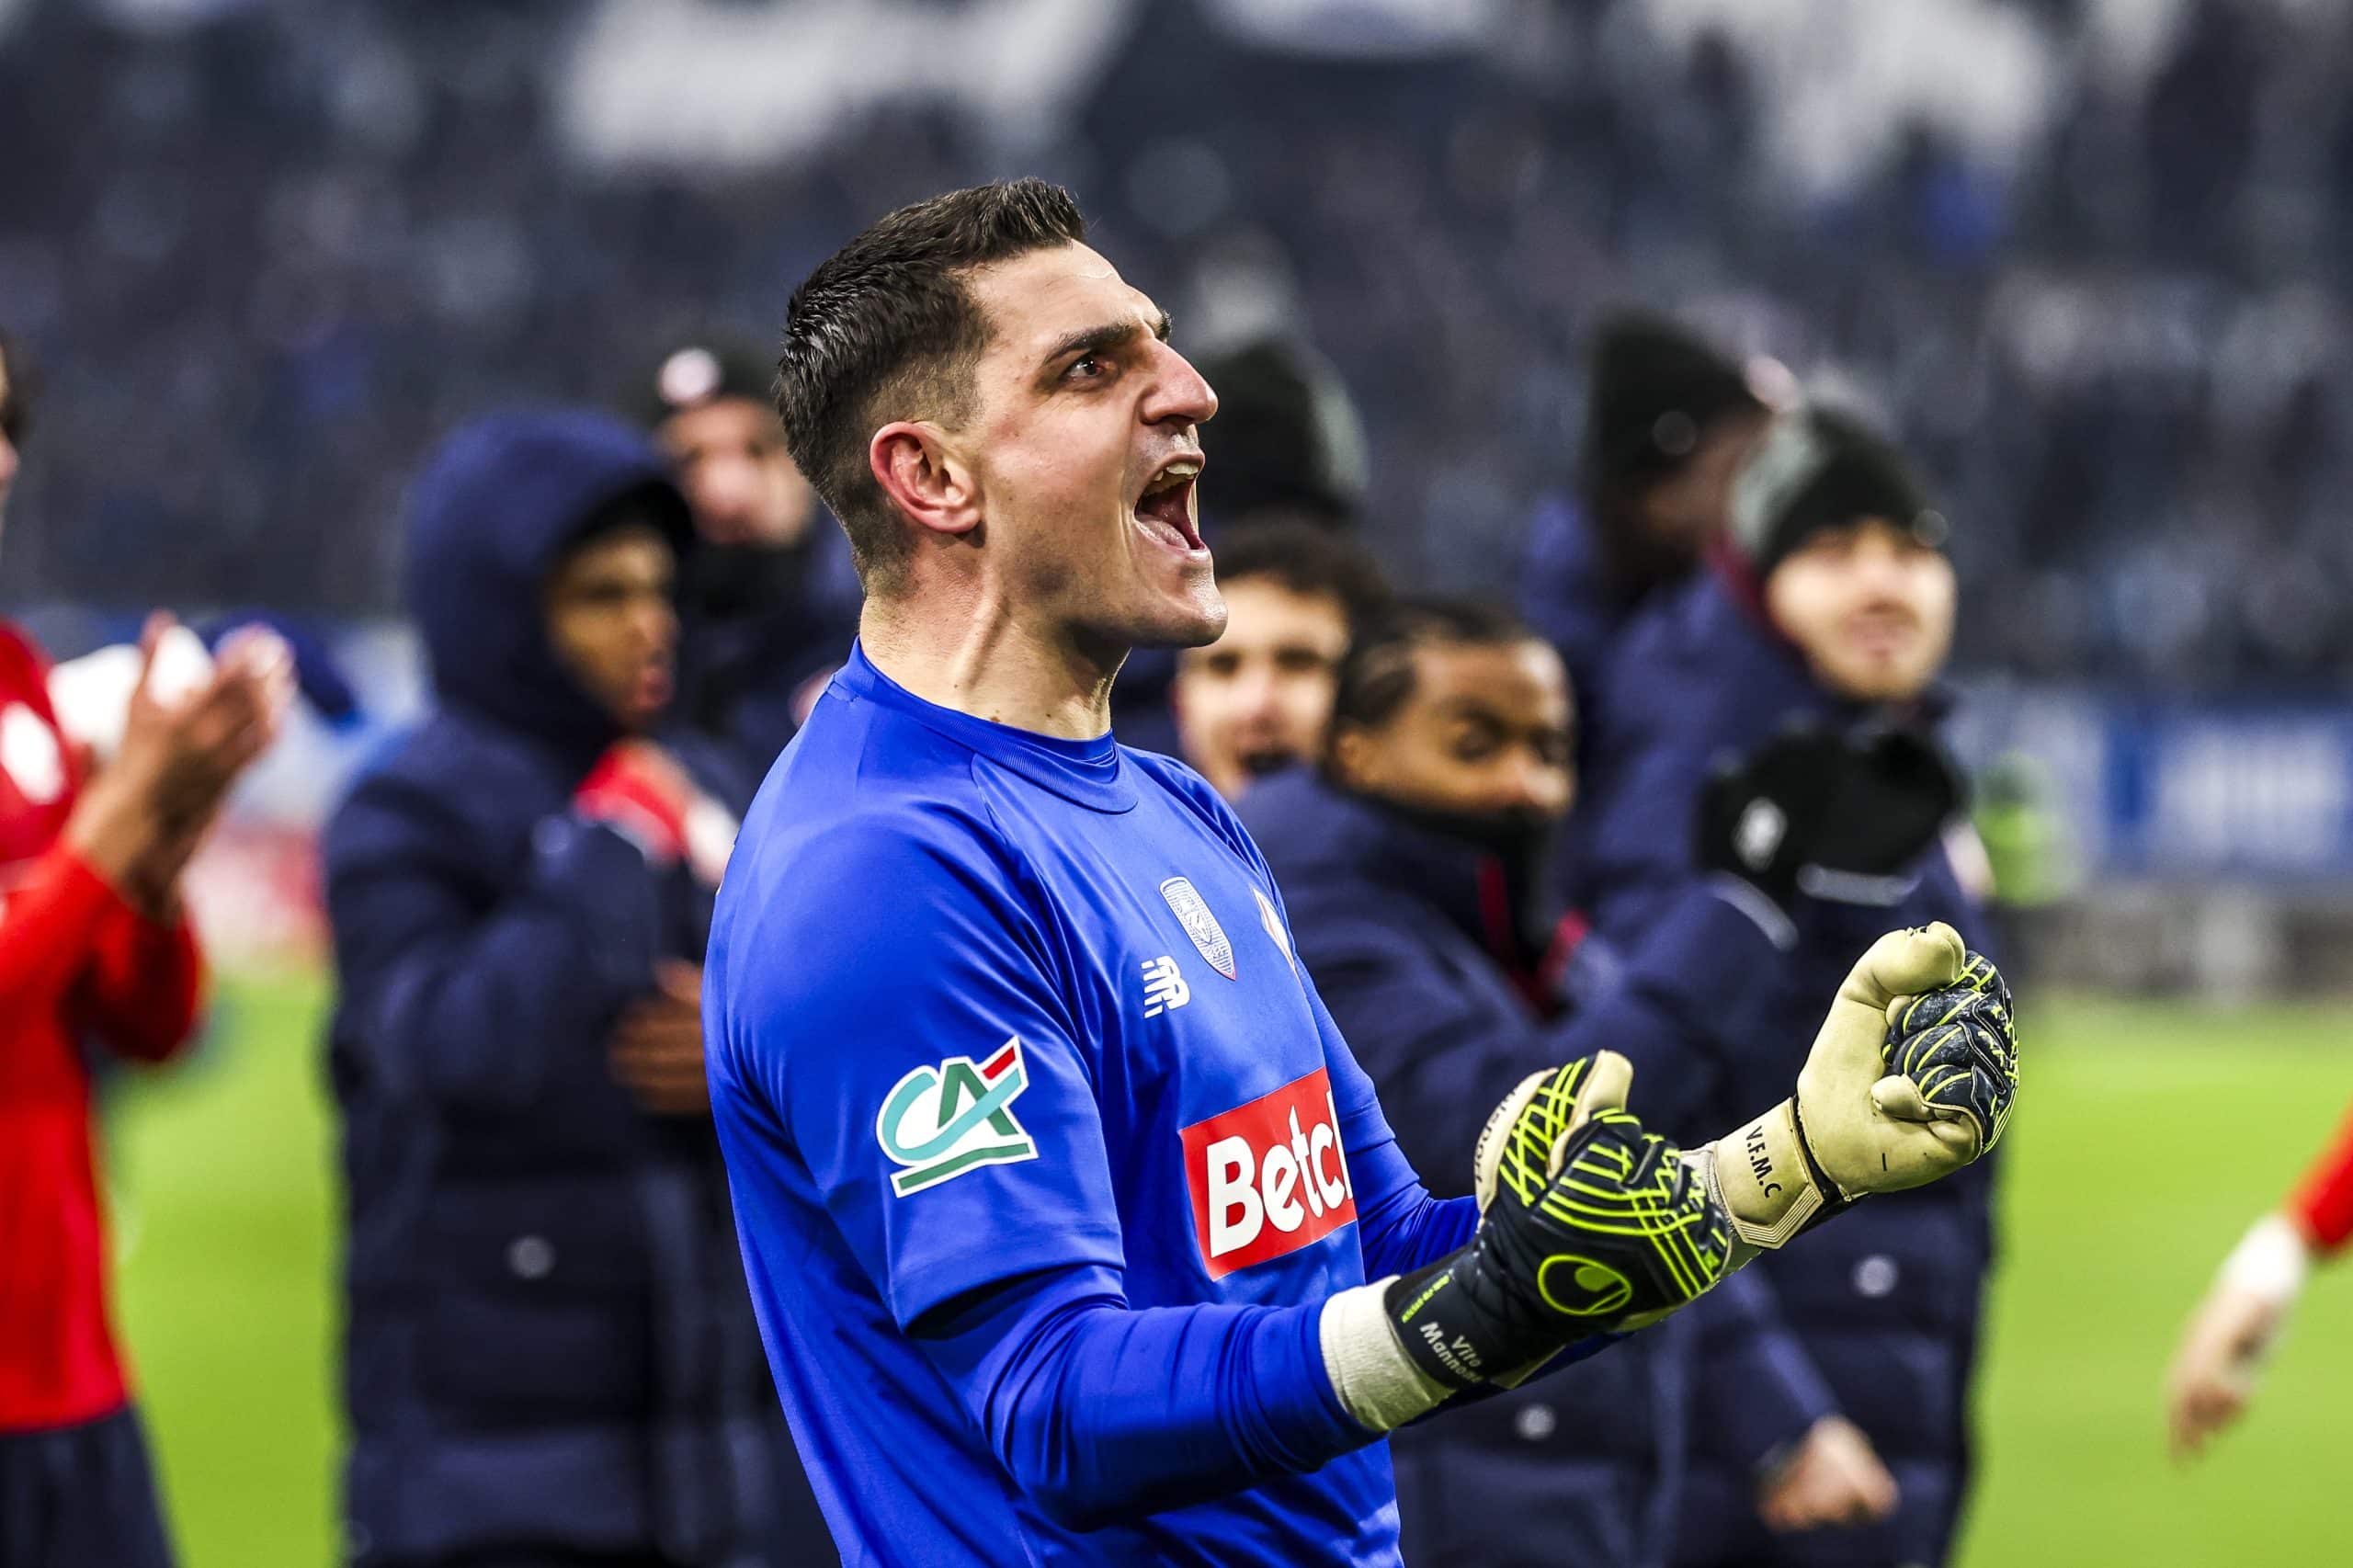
(988, 1008)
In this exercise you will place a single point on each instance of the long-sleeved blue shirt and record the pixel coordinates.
(1045, 1153)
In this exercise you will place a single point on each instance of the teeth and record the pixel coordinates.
(1172, 476)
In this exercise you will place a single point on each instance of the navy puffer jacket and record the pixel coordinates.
(1886, 1297)
(549, 1341)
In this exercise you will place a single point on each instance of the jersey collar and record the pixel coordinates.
(1089, 773)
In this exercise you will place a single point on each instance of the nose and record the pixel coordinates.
(656, 623)
(1879, 563)
(1257, 693)
(1180, 394)
(1535, 784)
(722, 490)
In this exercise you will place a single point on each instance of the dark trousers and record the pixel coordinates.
(79, 1496)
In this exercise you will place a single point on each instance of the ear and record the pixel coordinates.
(1350, 749)
(931, 486)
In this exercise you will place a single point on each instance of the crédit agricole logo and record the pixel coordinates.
(939, 1122)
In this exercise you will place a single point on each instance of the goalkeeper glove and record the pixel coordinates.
(1588, 1225)
(1911, 1078)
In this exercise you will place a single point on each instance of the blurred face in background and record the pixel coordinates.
(1082, 451)
(613, 623)
(1681, 512)
(738, 477)
(1871, 608)
(1483, 734)
(1260, 697)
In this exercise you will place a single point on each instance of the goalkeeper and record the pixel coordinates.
(1075, 1232)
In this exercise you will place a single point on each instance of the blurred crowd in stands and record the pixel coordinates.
(2086, 256)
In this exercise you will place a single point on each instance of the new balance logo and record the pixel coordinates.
(1164, 986)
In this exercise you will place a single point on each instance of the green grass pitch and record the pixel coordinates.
(2147, 1136)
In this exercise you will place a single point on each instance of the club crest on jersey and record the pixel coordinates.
(940, 1122)
(1193, 912)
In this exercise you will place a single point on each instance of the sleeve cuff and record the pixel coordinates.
(1718, 926)
(2272, 1261)
(1761, 912)
(1778, 1404)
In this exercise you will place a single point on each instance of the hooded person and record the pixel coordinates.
(769, 598)
(550, 1350)
(1772, 729)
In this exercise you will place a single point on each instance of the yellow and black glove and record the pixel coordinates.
(1913, 1076)
(1587, 1224)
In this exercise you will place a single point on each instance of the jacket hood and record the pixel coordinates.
(497, 507)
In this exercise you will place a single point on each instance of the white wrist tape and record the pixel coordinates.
(1759, 1172)
(1377, 1381)
(2271, 1261)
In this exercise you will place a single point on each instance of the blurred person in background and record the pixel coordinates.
(1787, 703)
(1668, 419)
(1288, 450)
(2239, 1324)
(1288, 443)
(549, 1354)
(1416, 865)
(768, 593)
(96, 951)
(1258, 698)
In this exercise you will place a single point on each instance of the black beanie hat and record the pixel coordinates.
(703, 371)
(1655, 389)
(1817, 468)
(1287, 436)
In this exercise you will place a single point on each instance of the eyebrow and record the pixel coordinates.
(1103, 339)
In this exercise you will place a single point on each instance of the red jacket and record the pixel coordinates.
(77, 965)
(2322, 1205)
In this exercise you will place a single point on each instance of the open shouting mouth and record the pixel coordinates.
(1164, 509)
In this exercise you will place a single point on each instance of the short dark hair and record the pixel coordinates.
(656, 504)
(888, 318)
(1309, 560)
(1377, 676)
